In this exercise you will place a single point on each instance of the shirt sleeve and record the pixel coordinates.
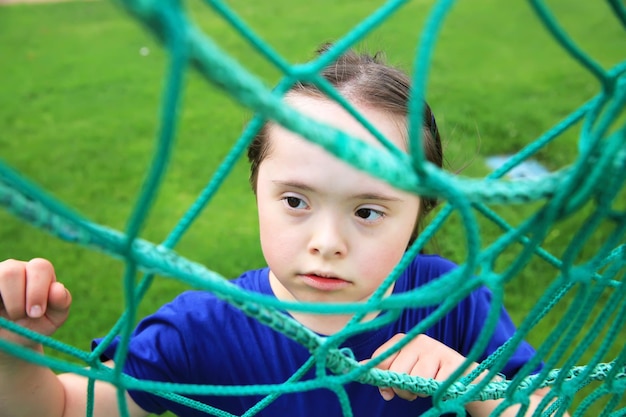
(156, 352)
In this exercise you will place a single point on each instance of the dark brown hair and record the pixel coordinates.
(369, 80)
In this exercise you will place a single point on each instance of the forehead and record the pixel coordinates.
(293, 159)
(323, 110)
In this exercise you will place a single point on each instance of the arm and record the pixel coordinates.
(31, 296)
(429, 358)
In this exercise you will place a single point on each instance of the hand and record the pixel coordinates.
(31, 297)
(429, 358)
(424, 357)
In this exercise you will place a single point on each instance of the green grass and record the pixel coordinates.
(79, 111)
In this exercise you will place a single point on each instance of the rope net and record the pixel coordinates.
(595, 178)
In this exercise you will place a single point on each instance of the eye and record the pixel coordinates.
(369, 214)
(295, 202)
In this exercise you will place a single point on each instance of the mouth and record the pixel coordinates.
(324, 282)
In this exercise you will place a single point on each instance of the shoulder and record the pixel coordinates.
(255, 280)
(435, 262)
(183, 322)
(463, 316)
(425, 268)
(198, 301)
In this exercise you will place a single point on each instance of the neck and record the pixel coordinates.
(326, 325)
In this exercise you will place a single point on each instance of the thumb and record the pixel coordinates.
(386, 393)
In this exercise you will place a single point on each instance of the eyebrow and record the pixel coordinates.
(363, 196)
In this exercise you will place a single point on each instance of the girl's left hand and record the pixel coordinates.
(424, 357)
(428, 358)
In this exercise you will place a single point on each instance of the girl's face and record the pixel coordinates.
(329, 232)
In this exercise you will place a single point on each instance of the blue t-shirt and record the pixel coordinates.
(200, 339)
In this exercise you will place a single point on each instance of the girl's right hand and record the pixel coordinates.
(31, 296)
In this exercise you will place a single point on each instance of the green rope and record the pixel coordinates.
(597, 176)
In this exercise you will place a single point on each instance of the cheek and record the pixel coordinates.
(381, 254)
(277, 239)
(377, 263)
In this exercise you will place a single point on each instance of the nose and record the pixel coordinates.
(328, 239)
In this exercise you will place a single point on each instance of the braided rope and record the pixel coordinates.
(597, 175)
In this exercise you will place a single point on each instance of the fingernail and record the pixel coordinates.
(35, 312)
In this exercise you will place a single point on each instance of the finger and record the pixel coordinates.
(12, 285)
(59, 301)
(387, 393)
(385, 364)
(428, 368)
(417, 359)
(403, 362)
(405, 395)
(39, 277)
(406, 366)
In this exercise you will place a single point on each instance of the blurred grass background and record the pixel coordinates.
(79, 111)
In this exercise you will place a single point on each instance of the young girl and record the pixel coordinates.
(329, 234)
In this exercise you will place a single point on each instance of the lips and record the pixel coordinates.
(324, 282)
